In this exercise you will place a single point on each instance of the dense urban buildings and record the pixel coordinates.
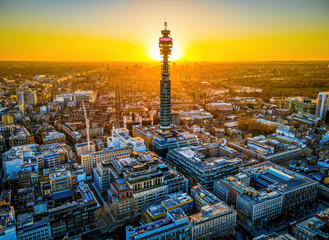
(182, 150)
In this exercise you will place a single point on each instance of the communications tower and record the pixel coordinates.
(165, 45)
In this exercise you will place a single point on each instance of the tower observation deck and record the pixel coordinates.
(165, 45)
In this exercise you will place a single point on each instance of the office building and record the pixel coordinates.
(174, 226)
(26, 96)
(265, 149)
(76, 215)
(101, 175)
(296, 189)
(20, 158)
(255, 207)
(312, 228)
(213, 222)
(275, 236)
(121, 199)
(219, 107)
(121, 139)
(86, 95)
(310, 119)
(89, 160)
(148, 177)
(204, 164)
(53, 137)
(322, 106)
(157, 211)
(300, 104)
(62, 180)
(82, 148)
(28, 228)
(7, 222)
(202, 197)
(19, 135)
(227, 189)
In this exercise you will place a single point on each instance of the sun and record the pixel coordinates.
(154, 53)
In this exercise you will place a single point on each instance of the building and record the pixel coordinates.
(20, 158)
(85, 95)
(28, 229)
(300, 104)
(34, 157)
(275, 236)
(162, 143)
(312, 228)
(296, 189)
(227, 189)
(26, 96)
(145, 177)
(121, 139)
(93, 132)
(265, 149)
(89, 160)
(61, 180)
(213, 222)
(174, 226)
(54, 154)
(146, 133)
(101, 175)
(202, 197)
(165, 45)
(64, 98)
(53, 137)
(19, 135)
(283, 124)
(204, 164)
(71, 134)
(7, 119)
(257, 207)
(149, 179)
(307, 118)
(76, 215)
(82, 148)
(322, 106)
(7, 222)
(122, 201)
(219, 107)
(157, 211)
(194, 116)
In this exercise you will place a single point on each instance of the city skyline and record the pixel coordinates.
(127, 30)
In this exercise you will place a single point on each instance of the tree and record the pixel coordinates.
(103, 217)
(250, 125)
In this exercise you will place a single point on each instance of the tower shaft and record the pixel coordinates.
(165, 45)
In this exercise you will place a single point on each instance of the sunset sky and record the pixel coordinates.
(128, 30)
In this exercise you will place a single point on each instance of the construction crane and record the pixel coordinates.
(87, 125)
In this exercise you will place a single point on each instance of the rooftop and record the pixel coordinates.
(199, 160)
(211, 211)
(277, 177)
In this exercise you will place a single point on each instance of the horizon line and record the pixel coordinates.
(179, 61)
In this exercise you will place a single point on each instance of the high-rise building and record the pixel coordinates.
(26, 96)
(165, 45)
(167, 137)
(322, 106)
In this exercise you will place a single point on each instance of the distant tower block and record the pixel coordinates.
(165, 45)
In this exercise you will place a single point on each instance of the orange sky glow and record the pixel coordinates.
(127, 30)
